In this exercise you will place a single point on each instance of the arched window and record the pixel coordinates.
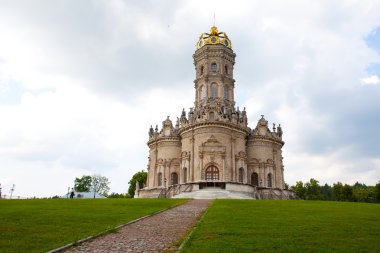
(214, 90)
(185, 175)
(159, 179)
(212, 173)
(269, 180)
(241, 175)
(225, 92)
(226, 69)
(203, 91)
(211, 116)
(255, 179)
(202, 68)
(174, 178)
(213, 67)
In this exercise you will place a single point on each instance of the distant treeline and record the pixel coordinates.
(357, 192)
(119, 196)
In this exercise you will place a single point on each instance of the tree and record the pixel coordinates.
(118, 196)
(326, 191)
(337, 191)
(83, 184)
(377, 192)
(299, 189)
(140, 177)
(342, 192)
(100, 184)
(363, 193)
(348, 193)
(313, 190)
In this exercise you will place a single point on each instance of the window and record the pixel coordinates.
(211, 116)
(226, 69)
(203, 91)
(185, 175)
(214, 90)
(174, 178)
(241, 175)
(255, 179)
(269, 179)
(202, 68)
(159, 179)
(212, 173)
(213, 67)
(225, 92)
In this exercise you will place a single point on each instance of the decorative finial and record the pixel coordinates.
(214, 38)
(214, 32)
(262, 116)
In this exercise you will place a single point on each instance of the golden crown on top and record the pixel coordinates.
(214, 38)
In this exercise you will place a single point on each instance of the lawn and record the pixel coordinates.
(287, 226)
(42, 225)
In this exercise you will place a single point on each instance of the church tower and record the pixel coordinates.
(211, 145)
(214, 61)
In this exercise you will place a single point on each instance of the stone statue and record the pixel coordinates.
(279, 131)
(151, 131)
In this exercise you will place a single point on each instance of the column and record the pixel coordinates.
(201, 166)
(224, 167)
(233, 159)
(192, 159)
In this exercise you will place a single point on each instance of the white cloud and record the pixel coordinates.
(73, 130)
(371, 80)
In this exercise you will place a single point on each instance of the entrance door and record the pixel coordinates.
(212, 173)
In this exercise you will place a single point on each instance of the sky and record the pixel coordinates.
(82, 81)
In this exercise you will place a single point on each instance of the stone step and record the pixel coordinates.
(214, 193)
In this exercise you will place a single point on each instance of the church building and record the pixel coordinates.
(211, 146)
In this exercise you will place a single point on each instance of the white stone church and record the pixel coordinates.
(211, 152)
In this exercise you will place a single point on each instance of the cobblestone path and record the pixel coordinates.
(157, 233)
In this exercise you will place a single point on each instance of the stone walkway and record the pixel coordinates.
(157, 233)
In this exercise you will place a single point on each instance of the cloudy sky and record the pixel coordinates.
(82, 81)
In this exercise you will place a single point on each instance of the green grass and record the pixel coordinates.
(287, 226)
(42, 225)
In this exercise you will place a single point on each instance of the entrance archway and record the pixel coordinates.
(212, 173)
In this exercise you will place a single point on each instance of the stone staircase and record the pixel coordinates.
(214, 193)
